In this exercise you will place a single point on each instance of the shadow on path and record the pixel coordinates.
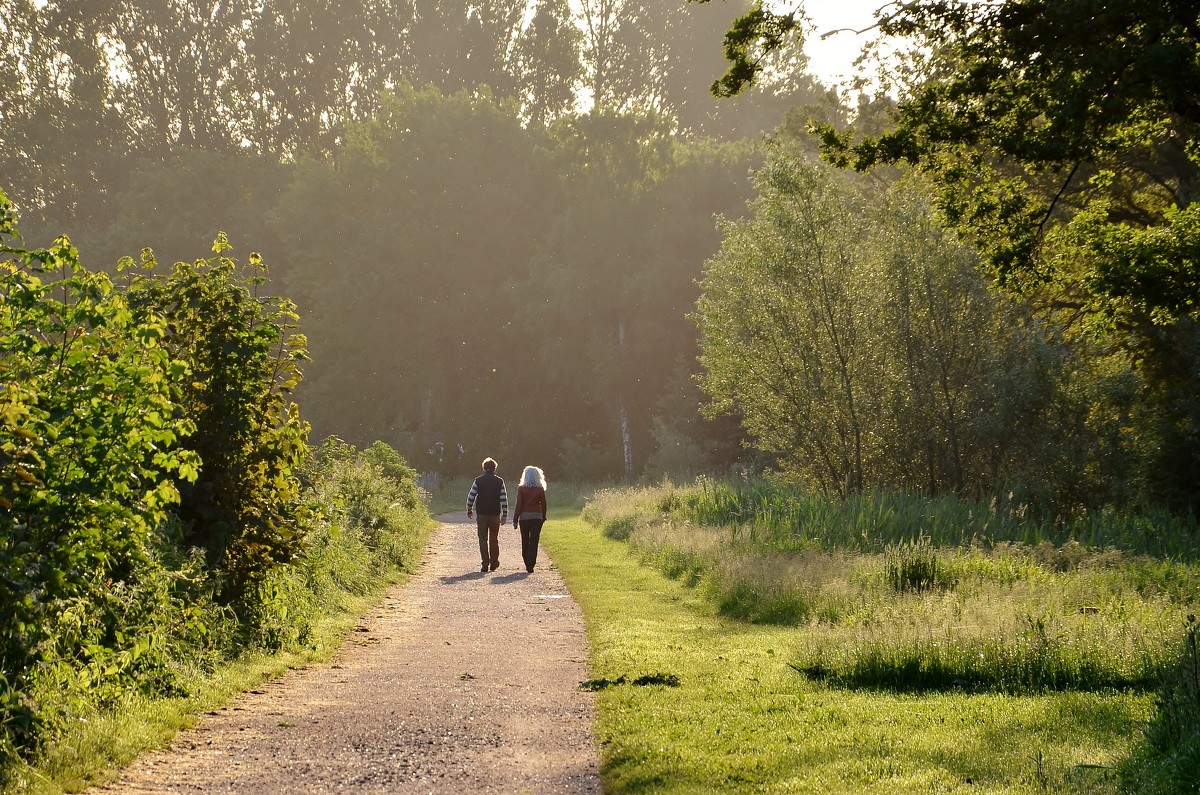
(505, 579)
(457, 578)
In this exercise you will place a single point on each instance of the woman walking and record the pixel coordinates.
(530, 513)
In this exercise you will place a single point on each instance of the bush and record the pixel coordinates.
(154, 520)
(246, 507)
(917, 566)
(392, 465)
(90, 460)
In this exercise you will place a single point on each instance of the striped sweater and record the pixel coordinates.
(488, 497)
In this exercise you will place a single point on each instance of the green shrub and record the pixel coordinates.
(376, 505)
(392, 465)
(369, 526)
(90, 458)
(153, 521)
(246, 508)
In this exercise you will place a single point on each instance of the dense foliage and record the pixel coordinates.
(152, 514)
(860, 346)
(245, 507)
(493, 268)
(1061, 139)
(95, 89)
(92, 441)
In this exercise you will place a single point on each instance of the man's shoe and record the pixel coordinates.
(483, 568)
(495, 566)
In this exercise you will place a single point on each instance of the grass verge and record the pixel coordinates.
(742, 719)
(93, 750)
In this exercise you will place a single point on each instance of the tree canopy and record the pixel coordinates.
(1062, 136)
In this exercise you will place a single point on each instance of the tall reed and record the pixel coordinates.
(770, 515)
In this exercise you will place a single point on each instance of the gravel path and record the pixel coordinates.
(458, 682)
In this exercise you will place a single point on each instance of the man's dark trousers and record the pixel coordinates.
(489, 540)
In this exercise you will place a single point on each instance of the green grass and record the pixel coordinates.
(1004, 616)
(94, 751)
(742, 719)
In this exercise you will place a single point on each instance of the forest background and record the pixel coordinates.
(464, 244)
(528, 230)
(486, 210)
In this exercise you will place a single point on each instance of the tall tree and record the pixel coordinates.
(1063, 138)
(457, 44)
(590, 262)
(1051, 112)
(856, 340)
(600, 21)
(98, 86)
(320, 65)
(783, 327)
(60, 133)
(184, 68)
(694, 35)
(440, 203)
(618, 266)
(548, 62)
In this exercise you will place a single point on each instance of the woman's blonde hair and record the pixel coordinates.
(532, 476)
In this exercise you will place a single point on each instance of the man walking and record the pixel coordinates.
(488, 495)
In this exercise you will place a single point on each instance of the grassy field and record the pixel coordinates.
(743, 718)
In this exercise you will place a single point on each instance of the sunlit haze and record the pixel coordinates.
(832, 59)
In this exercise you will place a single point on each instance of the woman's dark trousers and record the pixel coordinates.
(531, 531)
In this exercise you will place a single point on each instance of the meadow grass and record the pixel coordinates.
(743, 719)
(912, 614)
(769, 514)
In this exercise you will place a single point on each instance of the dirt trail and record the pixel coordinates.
(459, 682)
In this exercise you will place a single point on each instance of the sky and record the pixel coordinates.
(832, 60)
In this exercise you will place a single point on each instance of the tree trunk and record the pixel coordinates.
(627, 444)
(626, 434)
